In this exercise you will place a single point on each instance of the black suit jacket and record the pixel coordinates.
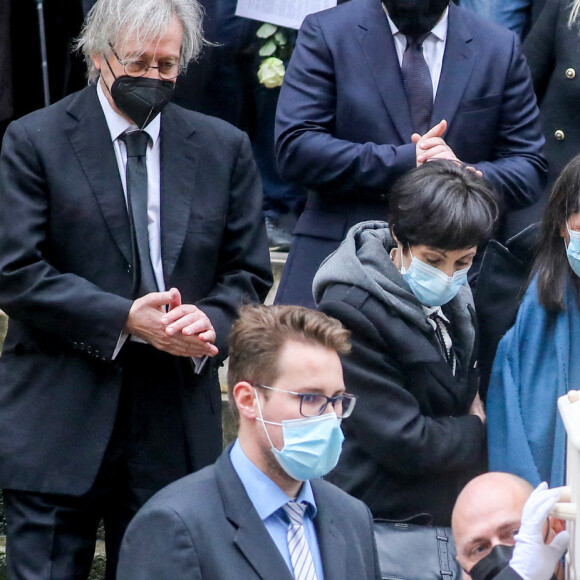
(65, 279)
(553, 52)
(204, 526)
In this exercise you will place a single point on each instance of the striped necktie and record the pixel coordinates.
(299, 551)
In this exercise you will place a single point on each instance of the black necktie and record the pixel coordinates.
(417, 83)
(144, 278)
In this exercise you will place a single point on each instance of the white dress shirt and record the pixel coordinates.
(433, 46)
(117, 126)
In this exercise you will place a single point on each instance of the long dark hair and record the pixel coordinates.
(551, 265)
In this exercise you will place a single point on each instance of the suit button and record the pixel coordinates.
(559, 134)
(89, 349)
(570, 73)
(129, 268)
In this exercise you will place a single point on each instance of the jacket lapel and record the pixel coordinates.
(456, 70)
(251, 536)
(330, 540)
(179, 160)
(378, 46)
(88, 133)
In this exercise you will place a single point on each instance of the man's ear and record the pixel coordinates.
(97, 61)
(245, 399)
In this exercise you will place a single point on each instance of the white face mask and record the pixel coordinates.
(430, 285)
(573, 250)
(312, 445)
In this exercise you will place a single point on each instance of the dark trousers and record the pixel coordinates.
(53, 536)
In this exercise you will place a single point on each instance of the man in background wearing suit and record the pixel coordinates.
(130, 233)
(261, 512)
(375, 88)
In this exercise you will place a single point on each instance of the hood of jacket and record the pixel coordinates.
(363, 260)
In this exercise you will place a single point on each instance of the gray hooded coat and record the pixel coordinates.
(411, 443)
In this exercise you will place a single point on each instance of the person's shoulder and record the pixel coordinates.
(192, 494)
(480, 27)
(347, 13)
(202, 122)
(329, 495)
(56, 110)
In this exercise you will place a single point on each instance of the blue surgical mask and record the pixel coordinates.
(573, 250)
(431, 286)
(312, 445)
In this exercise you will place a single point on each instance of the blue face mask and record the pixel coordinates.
(431, 286)
(573, 250)
(312, 445)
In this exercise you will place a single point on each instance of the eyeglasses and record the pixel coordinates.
(168, 70)
(313, 404)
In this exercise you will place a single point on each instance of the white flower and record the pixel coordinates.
(266, 30)
(271, 72)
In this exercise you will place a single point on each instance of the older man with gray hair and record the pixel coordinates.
(130, 232)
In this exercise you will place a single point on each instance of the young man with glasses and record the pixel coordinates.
(237, 518)
(130, 232)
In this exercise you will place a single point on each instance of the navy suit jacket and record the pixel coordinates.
(65, 279)
(205, 527)
(343, 126)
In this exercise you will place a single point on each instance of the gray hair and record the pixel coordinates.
(115, 22)
(574, 12)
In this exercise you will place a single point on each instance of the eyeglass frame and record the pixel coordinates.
(124, 63)
(331, 400)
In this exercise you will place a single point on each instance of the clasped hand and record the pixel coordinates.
(161, 320)
(431, 146)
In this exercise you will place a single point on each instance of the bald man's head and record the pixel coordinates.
(487, 513)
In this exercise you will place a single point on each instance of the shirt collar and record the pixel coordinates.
(428, 310)
(264, 494)
(119, 125)
(439, 30)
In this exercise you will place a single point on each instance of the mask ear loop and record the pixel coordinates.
(403, 269)
(114, 75)
(264, 421)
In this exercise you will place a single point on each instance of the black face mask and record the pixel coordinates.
(140, 98)
(415, 17)
(490, 566)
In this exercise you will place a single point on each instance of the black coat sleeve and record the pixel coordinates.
(388, 421)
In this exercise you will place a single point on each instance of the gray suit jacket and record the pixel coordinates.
(204, 526)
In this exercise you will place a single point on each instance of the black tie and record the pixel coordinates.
(143, 278)
(417, 84)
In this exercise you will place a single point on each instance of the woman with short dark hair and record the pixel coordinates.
(537, 361)
(418, 433)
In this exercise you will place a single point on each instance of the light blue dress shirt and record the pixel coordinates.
(268, 499)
